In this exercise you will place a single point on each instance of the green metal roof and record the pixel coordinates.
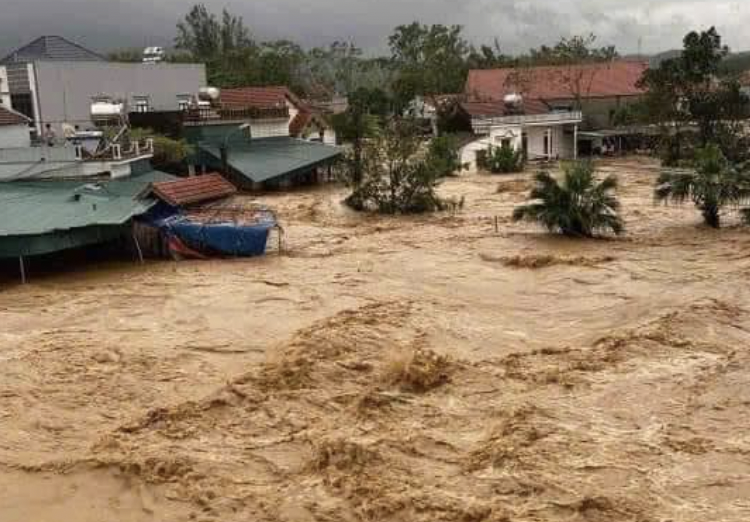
(267, 158)
(39, 207)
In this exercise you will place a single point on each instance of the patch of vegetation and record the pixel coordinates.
(712, 185)
(578, 206)
(397, 176)
(445, 156)
(169, 154)
(501, 160)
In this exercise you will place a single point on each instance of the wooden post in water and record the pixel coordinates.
(23, 269)
(497, 226)
(138, 247)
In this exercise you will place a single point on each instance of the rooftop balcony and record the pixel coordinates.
(219, 116)
(71, 160)
(483, 125)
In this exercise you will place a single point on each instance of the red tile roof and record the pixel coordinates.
(497, 109)
(11, 117)
(299, 122)
(618, 78)
(259, 97)
(195, 189)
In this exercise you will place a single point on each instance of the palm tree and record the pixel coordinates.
(579, 206)
(712, 185)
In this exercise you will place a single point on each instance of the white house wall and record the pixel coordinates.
(14, 136)
(561, 144)
(65, 89)
(269, 128)
(4, 88)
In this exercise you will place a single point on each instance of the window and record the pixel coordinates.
(183, 102)
(22, 103)
(506, 143)
(546, 144)
(141, 104)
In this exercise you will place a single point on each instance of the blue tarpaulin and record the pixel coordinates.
(227, 239)
(222, 238)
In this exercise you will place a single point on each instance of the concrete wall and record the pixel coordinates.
(65, 89)
(597, 112)
(14, 136)
(4, 88)
(269, 128)
(561, 142)
(31, 162)
(514, 133)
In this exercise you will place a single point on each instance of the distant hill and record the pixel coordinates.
(735, 63)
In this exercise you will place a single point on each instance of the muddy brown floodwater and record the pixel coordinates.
(394, 369)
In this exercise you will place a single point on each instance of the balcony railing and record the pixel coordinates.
(211, 114)
(551, 118)
(116, 151)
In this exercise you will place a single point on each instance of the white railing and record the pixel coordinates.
(484, 124)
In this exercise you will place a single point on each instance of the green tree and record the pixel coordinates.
(208, 39)
(444, 156)
(356, 125)
(686, 91)
(713, 185)
(398, 178)
(578, 206)
(488, 57)
(130, 55)
(169, 154)
(502, 160)
(429, 60)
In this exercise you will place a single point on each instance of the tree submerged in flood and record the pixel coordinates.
(399, 174)
(712, 185)
(577, 206)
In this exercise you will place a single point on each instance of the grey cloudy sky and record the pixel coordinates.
(518, 24)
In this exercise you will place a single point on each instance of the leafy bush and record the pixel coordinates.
(444, 156)
(579, 206)
(503, 160)
(168, 152)
(712, 184)
(397, 178)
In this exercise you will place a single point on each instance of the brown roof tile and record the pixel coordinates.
(195, 189)
(497, 109)
(259, 97)
(618, 78)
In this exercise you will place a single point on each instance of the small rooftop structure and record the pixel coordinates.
(52, 48)
(259, 97)
(270, 159)
(196, 189)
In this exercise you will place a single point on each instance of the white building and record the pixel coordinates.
(52, 81)
(296, 118)
(526, 125)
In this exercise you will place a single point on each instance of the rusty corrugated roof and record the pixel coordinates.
(495, 109)
(192, 190)
(618, 78)
(259, 97)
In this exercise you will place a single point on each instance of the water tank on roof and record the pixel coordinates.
(153, 54)
(513, 100)
(106, 109)
(210, 94)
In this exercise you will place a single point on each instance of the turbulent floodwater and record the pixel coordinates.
(405, 369)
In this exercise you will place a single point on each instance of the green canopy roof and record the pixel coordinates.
(267, 158)
(38, 217)
(38, 207)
